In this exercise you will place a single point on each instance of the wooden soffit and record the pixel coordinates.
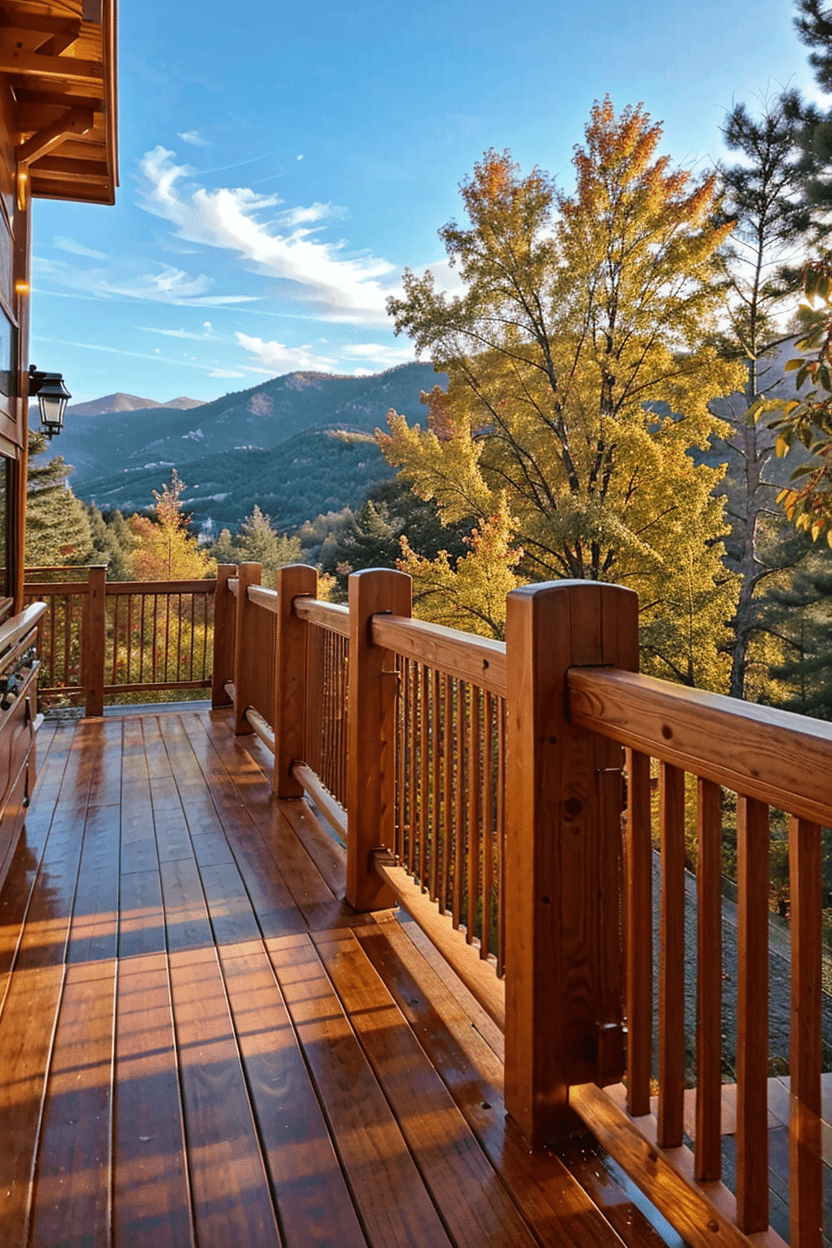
(59, 60)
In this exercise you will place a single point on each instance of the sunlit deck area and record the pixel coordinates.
(202, 1044)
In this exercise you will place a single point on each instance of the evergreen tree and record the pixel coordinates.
(112, 544)
(391, 516)
(258, 542)
(763, 194)
(57, 527)
(580, 378)
(802, 610)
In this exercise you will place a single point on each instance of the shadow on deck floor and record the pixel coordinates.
(202, 1045)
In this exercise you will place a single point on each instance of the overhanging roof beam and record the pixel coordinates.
(64, 68)
(74, 121)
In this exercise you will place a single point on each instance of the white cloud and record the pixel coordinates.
(177, 333)
(284, 247)
(224, 372)
(277, 357)
(168, 285)
(194, 138)
(378, 353)
(77, 249)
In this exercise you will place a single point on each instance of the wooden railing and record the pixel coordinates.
(101, 640)
(481, 785)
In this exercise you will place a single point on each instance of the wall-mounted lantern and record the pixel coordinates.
(52, 399)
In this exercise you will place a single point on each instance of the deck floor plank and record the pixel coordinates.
(465, 1187)
(234, 777)
(151, 1191)
(71, 1194)
(258, 1066)
(392, 1200)
(231, 1195)
(312, 1196)
(544, 1192)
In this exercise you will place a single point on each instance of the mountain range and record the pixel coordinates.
(297, 445)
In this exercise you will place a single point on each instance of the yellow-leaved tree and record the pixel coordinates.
(165, 550)
(579, 381)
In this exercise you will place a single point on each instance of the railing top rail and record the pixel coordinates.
(53, 589)
(775, 756)
(332, 615)
(464, 655)
(263, 597)
(206, 586)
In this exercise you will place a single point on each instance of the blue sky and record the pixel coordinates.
(282, 164)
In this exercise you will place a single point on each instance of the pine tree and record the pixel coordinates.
(580, 378)
(57, 528)
(763, 194)
(802, 611)
(258, 542)
(112, 544)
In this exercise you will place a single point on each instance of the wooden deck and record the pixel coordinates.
(202, 1045)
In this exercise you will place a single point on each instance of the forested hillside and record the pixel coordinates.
(274, 445)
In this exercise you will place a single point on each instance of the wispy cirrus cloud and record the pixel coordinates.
(167, 284)
(76, 249)
(280, 242)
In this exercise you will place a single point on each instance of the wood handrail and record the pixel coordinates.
(478, 660)
(331, 615)
(263, 597)
(758, 751)
(51, 589)
(206, 586)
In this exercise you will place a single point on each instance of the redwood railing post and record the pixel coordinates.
(223, 660)
(245, 657)
(291, 633)
(371, 733)
(564, 975)
(95, 639)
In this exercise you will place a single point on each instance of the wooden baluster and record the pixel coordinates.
(672, 957)
(222, 666)
(246, 659)
(558, 918)
(401, 759)
(166, 677)
(114, 668)
(413, 675)
(638, 927)
(371, 751)
(459, 804)
(488, 825)
(752, 1014)
(447, 789)
(67, 636)
(474, 821)
(436, 785)
(95, 638)
(129, 641)
(805, 1144)
(424, 772)
(156, 635)
(708, 1149)
(501, 835)
(142, 639)
(290, 668)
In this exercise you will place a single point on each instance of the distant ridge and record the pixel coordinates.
(128, 403)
